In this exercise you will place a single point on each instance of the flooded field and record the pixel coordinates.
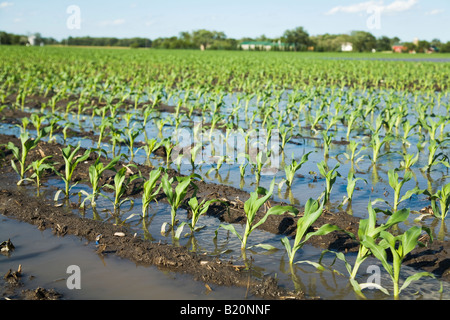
(370, 147)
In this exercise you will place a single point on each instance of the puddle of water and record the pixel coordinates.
(46, 258)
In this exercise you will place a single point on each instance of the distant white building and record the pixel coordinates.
(347, 47)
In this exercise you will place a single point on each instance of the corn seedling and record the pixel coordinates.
(442, 197)
(168, 146)
(351, 184)
(368, 229)
(37, 122)
(193, 154)
(408, 161)
(21, 154)
(122, 180)
(327, 139)
(150, 191)
(286, 135)
(131, 135)
(330, 178)
(376, 143)
(312, 212)
(352, 154)
(435, 158)
(95, 173)
(251, 207)
(150, 146)
(177, 195)
(197, 210)
(397, 184)
(399, 247)
(291, 169)
(71, 161)
(39, 167)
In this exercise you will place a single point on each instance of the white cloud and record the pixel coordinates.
(5, 4)
(396, 6)
(433, 12)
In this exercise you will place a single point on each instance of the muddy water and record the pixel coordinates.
(45, 258)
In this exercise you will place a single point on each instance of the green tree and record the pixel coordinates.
(363, 41)
(423, 46)
(203, 38)
(383, 44)
(298, 37)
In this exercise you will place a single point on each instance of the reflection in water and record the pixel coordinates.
(45, 259)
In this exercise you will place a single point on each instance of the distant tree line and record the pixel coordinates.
(108, 42)
(16, 39)
(297, 38)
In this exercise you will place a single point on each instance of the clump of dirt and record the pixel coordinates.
(14, 280)
(41, 294)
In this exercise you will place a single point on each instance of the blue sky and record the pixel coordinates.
(407, 19)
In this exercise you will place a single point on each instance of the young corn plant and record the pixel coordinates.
(407, 134)
(168, 146)
(257, 166)
(175, 196)
(25, 122)
(193, 155)
(351, 119)
(327, 139)
(150, 190)
(312, 212)
(286, 135)
(150, 146)
(397, 184)
(121, 183)
(442, 197)
(251, 207)
(197, 209)
(351, 184)
(39, 167)
(21, 154)
(368, 229)
(291, 169)
(376, 145)
(408, 161)
(435, 158)
(95, 173)
(71, 161)
(399, 246)
(330, 178)
(131, 135)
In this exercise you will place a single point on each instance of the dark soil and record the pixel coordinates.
(16, 203)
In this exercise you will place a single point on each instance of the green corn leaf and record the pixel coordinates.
(230, 228)
(416, 277)
(379, 252)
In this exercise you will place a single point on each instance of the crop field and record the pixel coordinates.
(327, 173)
